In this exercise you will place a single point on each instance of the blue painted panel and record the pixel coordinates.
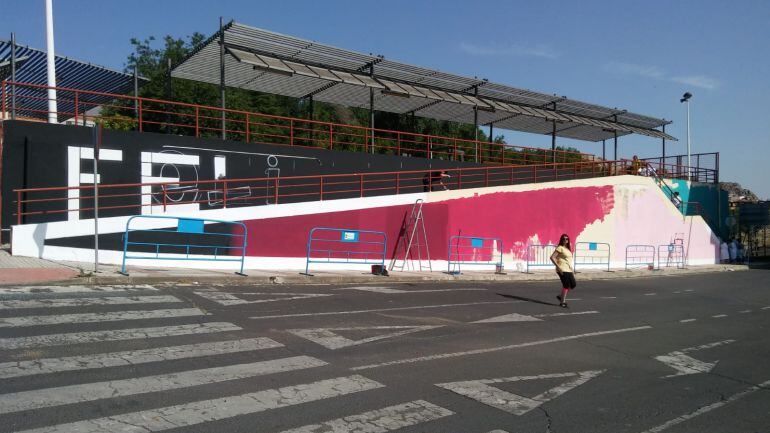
(349, 236)
(477, 242)
(190, 226)
(592, 246)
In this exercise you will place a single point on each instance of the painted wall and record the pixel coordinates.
(40, 155)
(621, 211)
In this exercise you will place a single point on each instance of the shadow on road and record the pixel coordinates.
(521, 298)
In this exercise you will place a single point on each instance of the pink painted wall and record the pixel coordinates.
(516, 217)
(642, 217)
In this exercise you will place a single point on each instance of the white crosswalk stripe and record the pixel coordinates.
(190, 414)
(85, 302)
(36, 399)
(115, 335)
(381, 420)
(17, 322)
(193, 408)
(76, 289)
(132, 357)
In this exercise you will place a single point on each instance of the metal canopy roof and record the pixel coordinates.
(31, 68)
(269, 62)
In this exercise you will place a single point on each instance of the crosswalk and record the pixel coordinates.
(75, 351)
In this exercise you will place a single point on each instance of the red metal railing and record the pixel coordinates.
(39, 204)
(156, 115)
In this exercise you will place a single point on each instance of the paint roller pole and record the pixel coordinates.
(96, 138)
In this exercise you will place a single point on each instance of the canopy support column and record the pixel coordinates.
(663, 159)
(371, 108)
(615, 133)
(136, 96)
(169, 95)
(222, 76)
(476, 123)
(553, 142)
(13, 75)
(491, 131)
(604, 150)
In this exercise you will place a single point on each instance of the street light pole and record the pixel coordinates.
(686, 99)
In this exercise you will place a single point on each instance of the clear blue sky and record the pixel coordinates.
(640, 56)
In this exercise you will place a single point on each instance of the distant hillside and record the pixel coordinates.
(738, 193)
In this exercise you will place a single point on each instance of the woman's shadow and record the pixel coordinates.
(521, 298)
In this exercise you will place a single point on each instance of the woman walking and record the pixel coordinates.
(562, 259)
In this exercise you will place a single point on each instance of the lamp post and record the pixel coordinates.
(50, 63)
(686, 100)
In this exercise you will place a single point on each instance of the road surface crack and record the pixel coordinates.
(549, 421)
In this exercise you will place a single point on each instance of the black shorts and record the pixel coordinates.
(568, 280)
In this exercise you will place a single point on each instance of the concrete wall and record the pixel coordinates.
(621, 211)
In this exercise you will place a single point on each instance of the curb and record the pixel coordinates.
(320, 278)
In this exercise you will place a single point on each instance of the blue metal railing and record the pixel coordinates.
(473, 250)
(674, 254)
(179, 245)
(592, 254)
(348, 246)
(640, 255)
(539, 255)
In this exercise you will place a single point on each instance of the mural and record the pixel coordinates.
(619, 211)
(38, 155)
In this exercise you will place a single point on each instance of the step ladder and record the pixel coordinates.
(414, 239)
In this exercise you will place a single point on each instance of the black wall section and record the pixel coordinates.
(35, 155)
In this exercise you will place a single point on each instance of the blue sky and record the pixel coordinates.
(639, 56)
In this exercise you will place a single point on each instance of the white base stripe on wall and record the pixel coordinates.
(116, 335)
(189, 414)
(132, 357)
(381, 420)
(86, 302)
(19, 322)
(40, 398)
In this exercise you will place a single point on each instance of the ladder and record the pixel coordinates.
(414, 242)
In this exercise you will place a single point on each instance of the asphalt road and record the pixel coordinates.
(664, 354)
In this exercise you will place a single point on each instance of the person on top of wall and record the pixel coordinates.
(676, 199)
(733, 246)
(562, 259)
(434, 181)
(724, 252)
(636, 165)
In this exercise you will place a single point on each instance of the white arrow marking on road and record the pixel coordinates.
(325, 337)
(516, 317)
(684, 364)
(480, 390)
(513, 317)
(228, 299)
